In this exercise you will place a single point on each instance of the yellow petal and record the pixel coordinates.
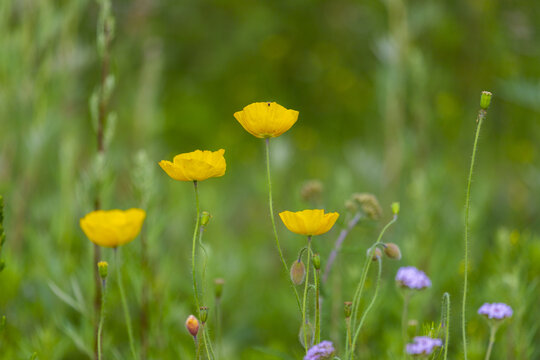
(196, 165)
(266, 119)
(309, 222)
(112, 228)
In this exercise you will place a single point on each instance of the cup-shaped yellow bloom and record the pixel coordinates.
(309, 222)
(112, 228)
(266, 119)
(196, 166)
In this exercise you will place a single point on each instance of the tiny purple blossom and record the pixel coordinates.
(322, 351)
(412, 278)
(497, 311)
(423, 345)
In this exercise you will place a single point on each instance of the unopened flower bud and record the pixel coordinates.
(298, 272)
(312, 190)
(317, 261)
(377, 254)
(203, 310)
(218, 287)
(392, 251)
(103, 268)
(192, 325)
(395, 208)
(348, 309)
(205, 218)
(485, 100)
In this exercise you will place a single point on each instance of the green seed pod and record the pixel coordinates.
(485, 100)
(204, 314)
(317, 261)
(218, 287)
(392, 251)
(298, 272)
(103, 268)
(205, 218)
(348, 309)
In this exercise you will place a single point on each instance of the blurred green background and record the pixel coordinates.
(388, 93)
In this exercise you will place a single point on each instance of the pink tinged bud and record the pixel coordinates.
(298, 272)
(192, 325)
(392, 251)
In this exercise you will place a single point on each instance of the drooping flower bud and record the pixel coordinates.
(392, 251)
(103, 268)
(192, 325)
(205, 218)
(348, 309)
(485, 99)
(317, 261)
(298, 272)
(203, 310)
(218, 287)
(377, 254)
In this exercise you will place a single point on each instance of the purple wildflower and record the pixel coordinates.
(412, 278)
(322, 351)
(423, 345)
(496, 311)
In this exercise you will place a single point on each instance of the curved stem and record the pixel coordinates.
(194, 247)
(304, 317)
(271, 206)
(481, 116)
(373, 300)
(317, 307)
(492, 332)
(124, 305)
(101, 317)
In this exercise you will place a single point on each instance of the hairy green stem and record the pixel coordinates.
(481, 116)
(127, 317)
(317, 306)
(271, 206)
(492, 332)
(101, 316)
(446, 301)
(304, 306)
(373, 300)
(194, 247)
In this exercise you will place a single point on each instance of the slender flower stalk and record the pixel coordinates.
(492, 332)
(317, 306)
(405, 316)
(446, 323)
(337, 245)
(194, 247)
(304, 306)
(484, 104)
(271, 207)
(373, 300)
(127, 317)
(102, 269)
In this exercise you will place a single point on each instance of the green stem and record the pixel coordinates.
(317, 307)
(194, 247)
(207, 345)
(446, 299)
(124, 305)
(205, 262)
(349, 338)
(373, 300)
(404, 316)
(492, 332)
(267, 142)
(304, 307)
(101, 317)
(481, 116)
(197, 348)
(218, 326)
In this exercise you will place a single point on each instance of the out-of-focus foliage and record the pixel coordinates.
(387, 93)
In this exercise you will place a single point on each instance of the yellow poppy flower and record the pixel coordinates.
(195, 166)
(309, 222)
(112, 228)
(266, 119)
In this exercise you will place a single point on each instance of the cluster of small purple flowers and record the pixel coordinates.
(322, 351)
(496, 311)
(423, 345)
(412, 278)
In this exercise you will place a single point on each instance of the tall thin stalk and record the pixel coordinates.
(304, 303)
(317, 306)
(484, 103)
(194, 247)
(446, 323)
(271, 206)
(492, 332)
(127, 317)
(101, 316)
